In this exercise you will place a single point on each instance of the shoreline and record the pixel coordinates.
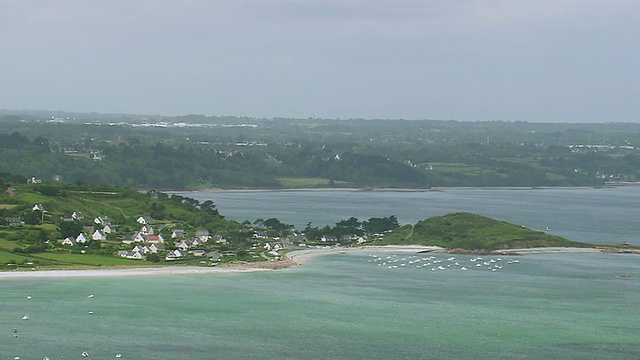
(293, 259)
(300, 257)
(386, 189)
(125, 272)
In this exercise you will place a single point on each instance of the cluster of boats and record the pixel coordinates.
(434, 263)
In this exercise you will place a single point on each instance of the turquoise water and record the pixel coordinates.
(601, 216)
(555, 306)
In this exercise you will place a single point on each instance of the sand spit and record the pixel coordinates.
(293, 258)
(150, 271)
(302, 256)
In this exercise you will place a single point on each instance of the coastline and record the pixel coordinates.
(293, 258)
(386, 189)
(300, 257)
(123, 272)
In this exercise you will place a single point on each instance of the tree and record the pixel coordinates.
(69, 228)
(276, 225)
(380, 225)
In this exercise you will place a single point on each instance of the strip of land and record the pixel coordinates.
(302, 256)
(155, 271)
(294, 258)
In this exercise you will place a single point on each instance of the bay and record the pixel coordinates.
(351, 306)
(593, 215)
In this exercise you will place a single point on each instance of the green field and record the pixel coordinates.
(84, 259)
(6, 257)
(7, 245)
(455, 168)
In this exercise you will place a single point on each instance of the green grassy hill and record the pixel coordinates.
(473, 232)
(36, 241)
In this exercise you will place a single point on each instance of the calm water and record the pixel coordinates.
(556, 306)
(601, 216)
(339, 307)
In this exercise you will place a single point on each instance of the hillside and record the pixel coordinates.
(93, 225)
(473, 232)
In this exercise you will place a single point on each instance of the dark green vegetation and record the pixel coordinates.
(473, 232)
(40, 224)
(37, 221)
(35, 218)
(54, 165)
(196, 151)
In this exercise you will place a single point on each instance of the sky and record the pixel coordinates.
(466, 60)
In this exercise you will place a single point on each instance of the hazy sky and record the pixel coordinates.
(530, 60)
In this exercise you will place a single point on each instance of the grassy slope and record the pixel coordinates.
(473, 232)
(122, 206)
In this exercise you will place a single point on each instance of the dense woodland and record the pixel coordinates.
(195, 151)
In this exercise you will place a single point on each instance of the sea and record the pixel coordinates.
(380, 305)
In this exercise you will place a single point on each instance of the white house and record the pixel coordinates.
(107, 229)
(173, 255)
(69, 241)
(197, 242)
(203, 234)
(99, 235)
(177, 234)
(146, 230)
(184, 245)
(154, 248)
(135, 255)
(261, 234)
(82, 238)
(144, 220)
(198, 253)
(77, 215)
(102, 220)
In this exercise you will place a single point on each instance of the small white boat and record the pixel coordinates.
(25, 317)
(85, 354)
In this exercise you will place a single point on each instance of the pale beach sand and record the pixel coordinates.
(297, 257)
(155, 271)
(302, 256)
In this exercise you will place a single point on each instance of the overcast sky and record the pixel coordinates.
(528, 60)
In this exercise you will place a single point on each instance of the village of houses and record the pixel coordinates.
(148, 240)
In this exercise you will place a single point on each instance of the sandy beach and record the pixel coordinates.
(302, 256)
(294, 258)
(155, 271)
